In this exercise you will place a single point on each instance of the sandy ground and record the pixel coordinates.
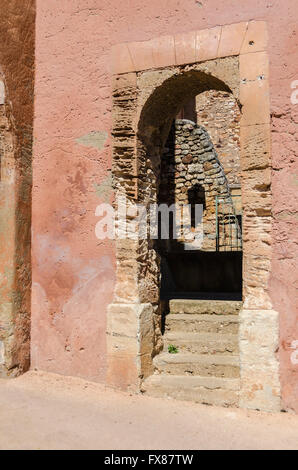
(47, 411)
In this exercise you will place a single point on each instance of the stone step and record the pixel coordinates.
(202, 343)
(212, 365)
(207, 307)
(183, 322)
(207, 390)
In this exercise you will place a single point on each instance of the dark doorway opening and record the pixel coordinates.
(212, 272)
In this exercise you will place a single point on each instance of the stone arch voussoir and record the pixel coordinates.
(150, 81)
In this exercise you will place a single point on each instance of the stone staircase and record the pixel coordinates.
(206, 367)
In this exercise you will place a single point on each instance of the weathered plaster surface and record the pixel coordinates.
(73, 98)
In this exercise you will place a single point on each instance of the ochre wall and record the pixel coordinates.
(73, 272)
(17, 28)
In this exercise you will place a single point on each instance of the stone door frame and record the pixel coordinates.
(139, 69)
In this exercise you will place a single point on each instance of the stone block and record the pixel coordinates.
(148, 290)
(260, 389)
(122, 319)
(255, 297)
(126, 290)
(163, 51)
(259, 337)
(122, 345)
(145, 365)
(145, 329)
(211, 365)
(256, 180)
(257, 202)
(125, 81)
(213, 391)
(131, 335)
(142, 55)
(255, 146)
(2, 353)
(208, 307)
(122, 372)
(257, 243)
(130, 341)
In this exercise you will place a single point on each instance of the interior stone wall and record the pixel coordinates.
(191, 173)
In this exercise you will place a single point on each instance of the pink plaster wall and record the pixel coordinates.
(73, 273)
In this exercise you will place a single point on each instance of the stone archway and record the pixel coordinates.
(151, 82)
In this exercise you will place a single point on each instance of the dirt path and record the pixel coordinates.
(46, 411)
